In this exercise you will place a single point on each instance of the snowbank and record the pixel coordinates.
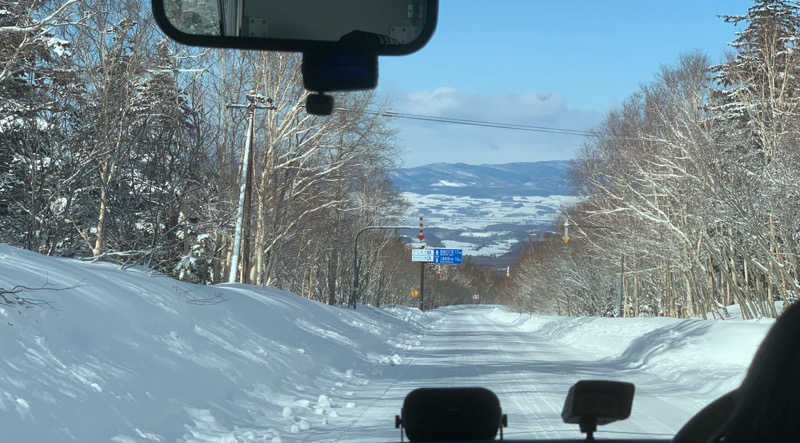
(130, 356)
(711, 354)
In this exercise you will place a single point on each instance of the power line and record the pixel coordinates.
(497, 221)
(466, 217)
(477, 123)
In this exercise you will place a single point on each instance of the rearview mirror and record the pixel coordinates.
(375, 27)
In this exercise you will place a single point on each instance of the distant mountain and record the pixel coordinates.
(489, 211)
(486, 181)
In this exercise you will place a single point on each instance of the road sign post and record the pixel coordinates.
(437, 256)
(422, 286)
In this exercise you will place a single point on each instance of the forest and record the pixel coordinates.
(119, 145)
(691, 190)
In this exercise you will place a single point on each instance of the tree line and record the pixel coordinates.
(117, 144)
(690, 190)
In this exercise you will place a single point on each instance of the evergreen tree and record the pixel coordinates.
(759, 84)
(35, 78)
(165, 172)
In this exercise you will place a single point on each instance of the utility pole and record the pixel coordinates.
(241, 237)
(354, 293)
(422, 286)
(620, 312)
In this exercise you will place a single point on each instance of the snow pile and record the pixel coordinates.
(130, 356)
(678, 350)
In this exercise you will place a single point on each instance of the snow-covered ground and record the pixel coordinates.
(128, 356)
(483, 226)
(472, 214)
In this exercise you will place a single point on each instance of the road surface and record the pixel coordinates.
(469, 347)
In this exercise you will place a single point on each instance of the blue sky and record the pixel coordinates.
(561, 63)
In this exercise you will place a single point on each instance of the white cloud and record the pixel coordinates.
(429, 142)
(516, 108)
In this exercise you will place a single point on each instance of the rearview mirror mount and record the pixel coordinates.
(340, 40)
(335, 72)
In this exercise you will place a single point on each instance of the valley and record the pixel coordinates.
(489, 211)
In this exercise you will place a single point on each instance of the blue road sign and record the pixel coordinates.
(448, 256)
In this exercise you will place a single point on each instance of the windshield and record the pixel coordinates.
(546, 192)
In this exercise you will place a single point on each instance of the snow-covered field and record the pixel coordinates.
(483, 226)
(128, 356)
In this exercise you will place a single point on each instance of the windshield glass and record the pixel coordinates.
(546, 192)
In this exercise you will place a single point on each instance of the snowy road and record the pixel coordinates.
(470, 347)
(154, 359)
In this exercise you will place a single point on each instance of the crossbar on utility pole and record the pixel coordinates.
(354, 292)
(242, 231)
